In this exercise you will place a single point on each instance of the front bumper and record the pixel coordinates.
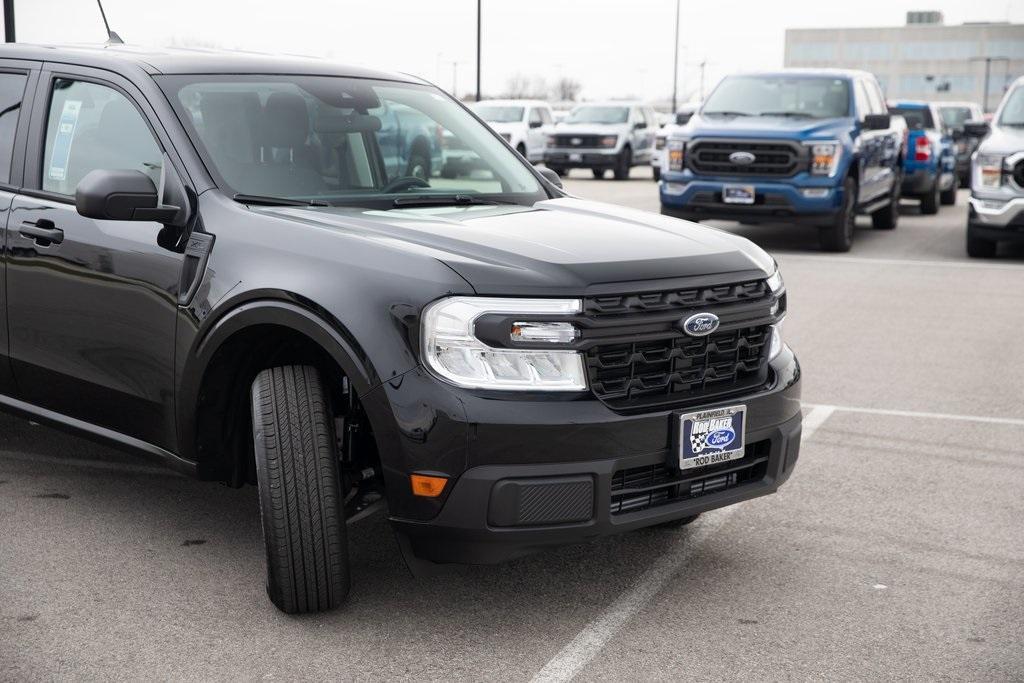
(566, 463)
(581, 158)
(997, 221)
(690, 197)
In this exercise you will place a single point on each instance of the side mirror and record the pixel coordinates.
(536, 124)
(877, 121)
(121, 196)
(551, 177)
(639, 125)
(683, 118)
(976, 129)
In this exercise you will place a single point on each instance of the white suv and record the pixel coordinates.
(524, 124)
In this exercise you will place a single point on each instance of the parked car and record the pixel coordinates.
(525, 124)
(813, 147)
(996, 211)
(208, 262)
(410, 142)
(929, 168)
(602, 136)
(954, 115)
(679, 119)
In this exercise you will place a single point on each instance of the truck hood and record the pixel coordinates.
(771, 127)
(1003, 140)
(557, 246)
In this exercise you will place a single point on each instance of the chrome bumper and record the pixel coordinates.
(997, 213)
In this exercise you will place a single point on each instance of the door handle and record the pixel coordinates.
(43, 231)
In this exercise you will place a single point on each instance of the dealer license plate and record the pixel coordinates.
(711, 436)
(575, 157)
(738, 194)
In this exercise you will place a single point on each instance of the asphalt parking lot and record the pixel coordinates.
(896, 551)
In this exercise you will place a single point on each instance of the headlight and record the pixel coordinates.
(659, 142)
(609, 140)
(775, 346)
(824, 157)
(988, 171)
(676, 154)
(552, 141)
(452, 351)
(775, 281)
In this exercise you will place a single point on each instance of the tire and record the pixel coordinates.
(839, 235)
(598, 173)
(676, 523)
(980, 248)
(299, 491)
(930, 201)
(419, 165)
(888, 216)
(623, 164)
(948, 197)
(657, 173)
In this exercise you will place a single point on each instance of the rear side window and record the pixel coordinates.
(92, 126)
(12, 89)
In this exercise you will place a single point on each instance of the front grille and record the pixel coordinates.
(651, 374)
(648, 486)
(777, 159)
(583, 140)
(682, 299)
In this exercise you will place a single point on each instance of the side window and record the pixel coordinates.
(545, 116)
(535, 116)
(875, 98)
(636, 117)
(12, 89)
(92, 126)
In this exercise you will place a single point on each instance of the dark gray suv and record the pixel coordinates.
(210, 260)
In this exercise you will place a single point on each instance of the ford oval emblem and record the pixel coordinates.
(700, 324)
(720, 438)
(742, 158)
(576, 141)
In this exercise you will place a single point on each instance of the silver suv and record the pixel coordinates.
(997, 177)
(602, 136)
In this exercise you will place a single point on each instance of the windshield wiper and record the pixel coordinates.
(444, 200)
(798, 114)
(263, 200)
(728, 113)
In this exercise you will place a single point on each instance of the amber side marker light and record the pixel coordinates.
(427, 485)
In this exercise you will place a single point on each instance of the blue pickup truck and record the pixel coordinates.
(814, 147)
(929, 170)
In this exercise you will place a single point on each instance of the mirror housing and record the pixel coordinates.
(639, 125)
(551, 177)
(683, 118)
(536, 124)
(877, 121)
(976, 129)
(121, 196)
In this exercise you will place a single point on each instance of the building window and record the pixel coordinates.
(939, 49)
(1014, 49)
(867, 52)
(812, 52)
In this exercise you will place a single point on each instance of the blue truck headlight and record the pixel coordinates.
(824, 157)
(452, 351)
(676, 154)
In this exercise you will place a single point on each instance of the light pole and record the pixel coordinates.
(478, 36)
(9, 21)
(675, 64)
(988, 66)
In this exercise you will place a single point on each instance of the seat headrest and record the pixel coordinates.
(285, 120)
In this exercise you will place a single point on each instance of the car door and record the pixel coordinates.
(887, 163)
(91, 303)
(17, 83)
(870, 143)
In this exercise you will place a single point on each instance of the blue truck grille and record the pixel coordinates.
(776, 159)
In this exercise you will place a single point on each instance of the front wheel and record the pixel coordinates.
(930, 201)
(657, 173)
(948, 197)
(888, 216)
(624, 164)
(839, 235)
(598, 173)
(299, 491)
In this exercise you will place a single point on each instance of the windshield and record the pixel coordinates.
(1013, 109)
(819, 98)
(594, 114)
(494, 114)
(955, 117)
(917, 118)
(345, 141)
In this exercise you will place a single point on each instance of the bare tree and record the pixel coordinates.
(566, 89)
(517, 87)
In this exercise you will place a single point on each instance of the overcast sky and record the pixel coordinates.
(615, 48)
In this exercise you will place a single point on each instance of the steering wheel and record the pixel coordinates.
(406, 182)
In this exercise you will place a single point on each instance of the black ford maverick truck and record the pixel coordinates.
(209, 260)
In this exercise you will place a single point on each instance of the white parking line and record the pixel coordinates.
(571, 659)
(861, 260)
(985, 419)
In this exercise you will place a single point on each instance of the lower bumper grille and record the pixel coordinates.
(641, 488)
